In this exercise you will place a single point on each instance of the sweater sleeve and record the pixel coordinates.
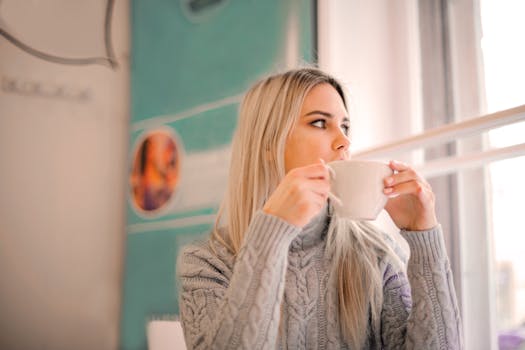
(223, 309)
(420, 311)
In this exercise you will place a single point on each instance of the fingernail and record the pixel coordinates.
(388, 190)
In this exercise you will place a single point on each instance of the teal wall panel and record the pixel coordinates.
(186, 77)
(178, 64)
(201, 132)
(149, 288)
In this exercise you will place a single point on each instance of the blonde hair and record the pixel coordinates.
(267, 114)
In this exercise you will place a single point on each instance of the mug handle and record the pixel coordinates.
(330, 194)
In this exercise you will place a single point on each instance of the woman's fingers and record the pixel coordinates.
(416, 188)
(398, 166)
(300, 195)
(319, 186)
(316, 186)
(411, 203)
(314, 171)
(405, 174)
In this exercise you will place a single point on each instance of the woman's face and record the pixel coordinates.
(321, 131)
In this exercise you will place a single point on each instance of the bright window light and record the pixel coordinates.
(504, 71)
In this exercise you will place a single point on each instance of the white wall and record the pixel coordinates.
(372, 46)
(63, 139)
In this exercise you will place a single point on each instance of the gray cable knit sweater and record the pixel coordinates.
(281, 276)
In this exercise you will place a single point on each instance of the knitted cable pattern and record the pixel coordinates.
(278, 293)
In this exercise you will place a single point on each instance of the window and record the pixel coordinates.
(416, 65)
(504, 70)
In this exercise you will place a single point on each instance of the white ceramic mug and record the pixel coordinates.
(357, 188)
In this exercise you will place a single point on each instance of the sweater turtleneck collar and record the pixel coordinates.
(314, 232)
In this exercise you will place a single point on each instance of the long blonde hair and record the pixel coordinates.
(267, 114)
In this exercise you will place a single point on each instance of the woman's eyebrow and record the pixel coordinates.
(326, 114)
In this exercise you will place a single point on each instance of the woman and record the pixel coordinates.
(282, 271)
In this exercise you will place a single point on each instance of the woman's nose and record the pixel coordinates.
(341, 142)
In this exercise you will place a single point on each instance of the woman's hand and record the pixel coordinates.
(301, 194)
(412, 203)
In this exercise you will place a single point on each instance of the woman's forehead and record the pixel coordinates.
(325, 98)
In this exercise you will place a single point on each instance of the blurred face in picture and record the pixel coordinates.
(321, 131)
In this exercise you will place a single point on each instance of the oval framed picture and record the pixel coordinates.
(155, 171)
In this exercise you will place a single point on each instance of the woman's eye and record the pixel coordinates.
(346, 129)
(320, 123)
